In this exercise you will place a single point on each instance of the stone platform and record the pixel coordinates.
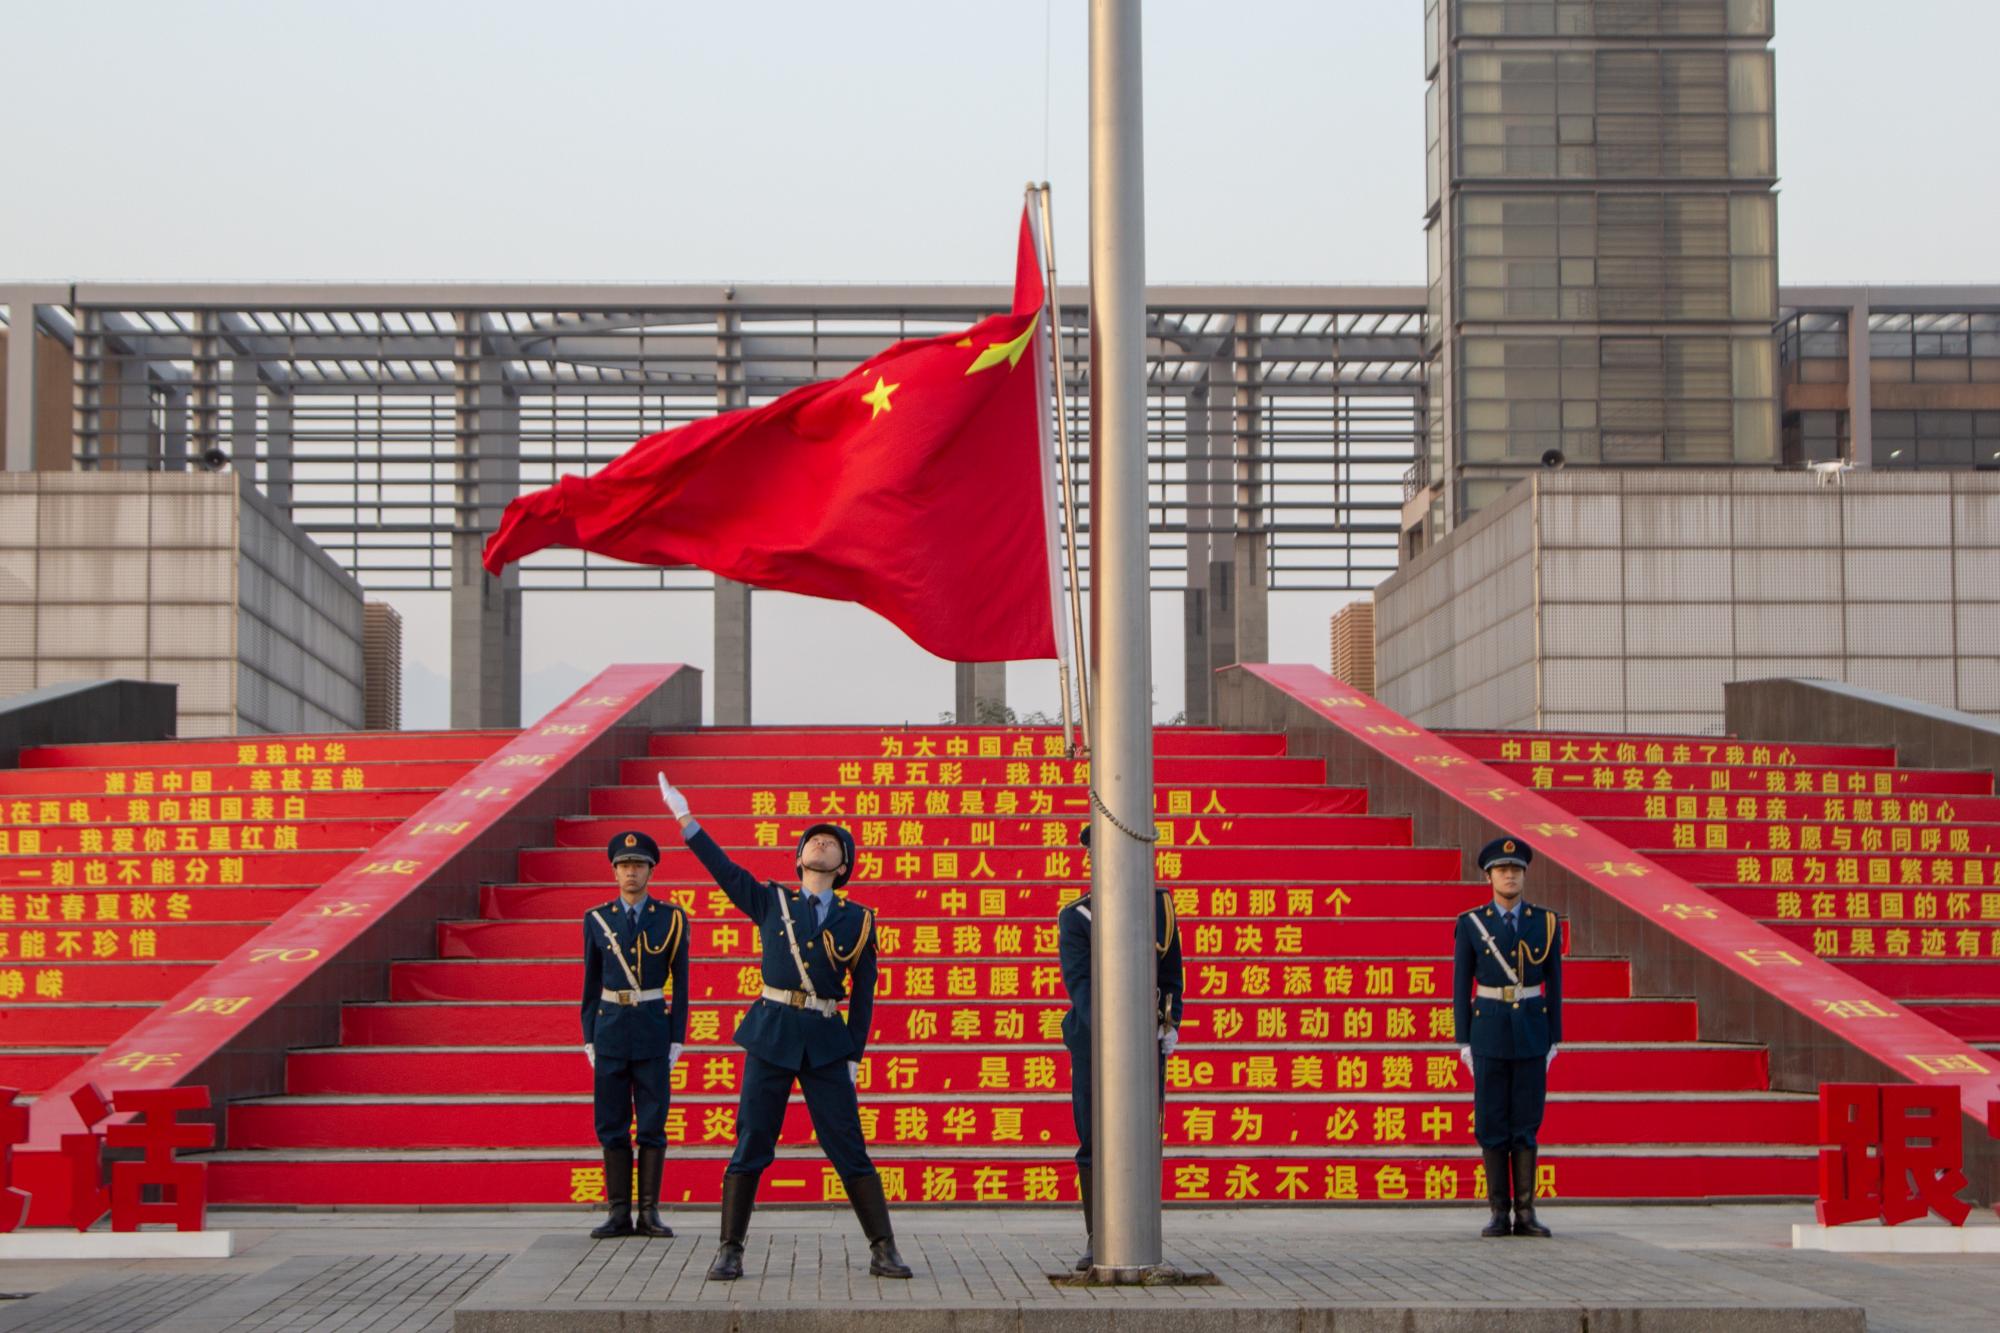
(1367, 1277)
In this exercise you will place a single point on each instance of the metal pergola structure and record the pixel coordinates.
(387, 419)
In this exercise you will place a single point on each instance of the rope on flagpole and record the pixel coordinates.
(1054, 303)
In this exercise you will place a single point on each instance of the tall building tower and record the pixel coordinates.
(1601, 240)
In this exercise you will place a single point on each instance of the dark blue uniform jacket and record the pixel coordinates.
(657, 951)
(1519, 1029)
(840, 957)
(1073, 952)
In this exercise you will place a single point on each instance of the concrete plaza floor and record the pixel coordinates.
(408, 1270)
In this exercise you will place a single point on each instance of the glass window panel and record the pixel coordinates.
(1750, 229)
(1750, 146)
(1755, 433)
(1750, 81)
(1752, 289)
(1753, 372)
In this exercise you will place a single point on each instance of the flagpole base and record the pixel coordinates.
(1138, 1275)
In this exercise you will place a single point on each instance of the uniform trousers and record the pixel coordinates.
(1507, 1100)
(630, 1092)
(830, 1100)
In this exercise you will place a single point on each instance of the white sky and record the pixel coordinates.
(852, 142)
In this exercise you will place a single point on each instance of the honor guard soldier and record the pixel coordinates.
(818, 949)
(1507, 1012)
(635, 955)
(1073, 952)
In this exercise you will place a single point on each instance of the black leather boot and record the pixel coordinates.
(1524, 1193)
(872, 1207)
(739, 1195)
(1496, 1193)
(652, 1164)
(1087, 1186)
(618, 1191)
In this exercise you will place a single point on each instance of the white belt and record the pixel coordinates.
(1507, 993)
(798, 999)
(631, 997)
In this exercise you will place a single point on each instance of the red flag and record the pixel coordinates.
(912, 485)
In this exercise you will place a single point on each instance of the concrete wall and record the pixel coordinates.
(1455, 628)
(183, 577)
(1650, 590)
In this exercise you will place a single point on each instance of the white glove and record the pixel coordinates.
(677, 804)
(590, 1053)
(674, 1055)
(854, 1072)
(1550, 1061)
(1169, 1038)
(1465, 1054)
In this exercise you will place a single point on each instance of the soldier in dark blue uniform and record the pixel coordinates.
(818, 947)
(1073, 952)
(1507, 1010)
(634, 954)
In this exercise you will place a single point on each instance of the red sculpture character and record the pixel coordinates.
(158, 1131)
(1850, 1171)
(1923, 1154)
(13, 1130)
(84, 1152)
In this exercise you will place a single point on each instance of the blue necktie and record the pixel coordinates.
(816, 909)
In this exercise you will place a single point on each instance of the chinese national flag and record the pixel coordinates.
(913, 485)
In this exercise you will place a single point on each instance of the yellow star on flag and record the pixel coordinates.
(878, 397)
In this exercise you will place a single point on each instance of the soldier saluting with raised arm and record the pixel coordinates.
(634, 952)
(817, 948)
(1507, 1010)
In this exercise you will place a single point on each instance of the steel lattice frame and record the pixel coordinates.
(387, 418)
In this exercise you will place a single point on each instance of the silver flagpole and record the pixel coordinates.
(1124, 1049)
(1045, 440)
(1081, 660)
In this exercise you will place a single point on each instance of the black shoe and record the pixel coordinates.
(1086, 1185)
(1496, 1193)
(616, 1225)
(652, 1164)
(617, 1192)
(871, 1206)
(739, 1196)
(1524, 1194)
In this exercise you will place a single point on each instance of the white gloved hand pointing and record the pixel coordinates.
(676, 803)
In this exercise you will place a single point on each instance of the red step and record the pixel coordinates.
(342, 747)
(281, 780)
(1971, 1021)
(264, 807)
(1040, 772)
(556, 1179)
(1023, 902)
(1923, 941)
(961, 1022)
(1832, 903)
(834, 801)
(1845, 781)
(936, 743)
(1861, 869)
(1925, 979)
(890, 869)
(1597, 747)
(905, 1124)
(37, 1071)
(488, 980)
(62, 944)
(894, 833)
(1015, 1069)
(54, 1023)
(166, 871)
(99, 983)
(216, 839)
(1324, 937)
(1797, 837)
(1596, 805)
(106, 906)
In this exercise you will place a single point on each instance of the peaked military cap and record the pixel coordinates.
(1505, 852)
(634, 847)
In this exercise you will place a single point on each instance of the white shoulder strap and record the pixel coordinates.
(611, 939)
(1512, 978)
(792, 939)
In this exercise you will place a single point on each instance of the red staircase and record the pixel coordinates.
(1317, 1060)
(127, 870)
(1890, 873)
